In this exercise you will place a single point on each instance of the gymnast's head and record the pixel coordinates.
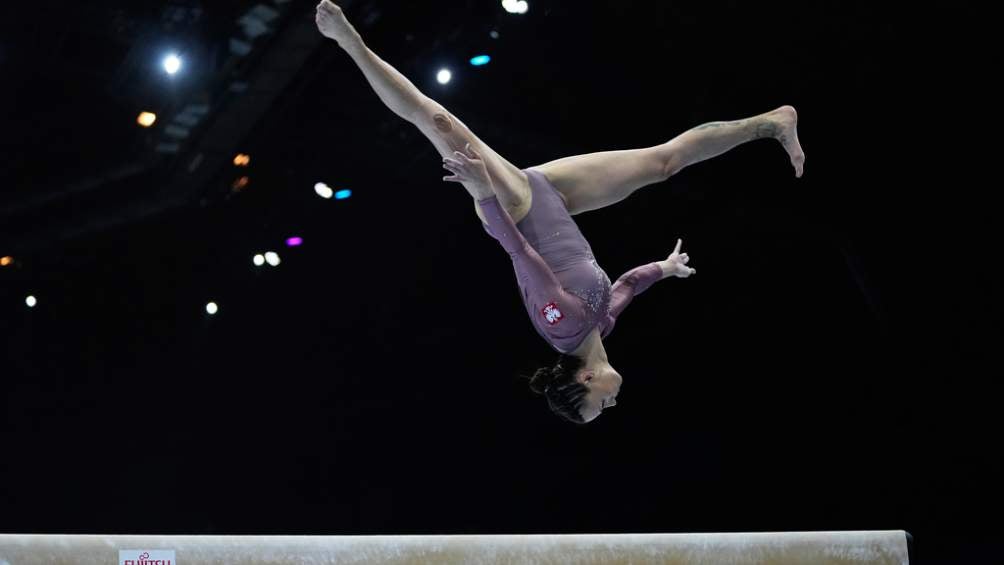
(575, 391)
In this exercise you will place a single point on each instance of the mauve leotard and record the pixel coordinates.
(565, 292)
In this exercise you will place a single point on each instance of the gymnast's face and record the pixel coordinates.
(604, 384)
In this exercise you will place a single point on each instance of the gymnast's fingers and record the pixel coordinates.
(679, 244)
(473, 152)
(454, 169)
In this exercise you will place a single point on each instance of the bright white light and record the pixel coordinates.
(172, 64)
(516, 6)
(146, 119)
(273, 258)
(323, 190)
(444, 76)
(212, 308)
(30, 301)
(259, 260)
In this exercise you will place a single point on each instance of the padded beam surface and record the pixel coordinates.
(735, 548)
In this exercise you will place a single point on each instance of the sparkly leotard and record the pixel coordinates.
(565, 291)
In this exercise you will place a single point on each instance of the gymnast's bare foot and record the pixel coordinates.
(332, 23)
(785, 129)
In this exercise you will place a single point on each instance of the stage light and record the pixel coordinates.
(5, 261)
(323, 191)
(172, 64)
(242, 160)
(444, 76)
(212, 308)
(480, 60)
(294, 242)
(146, 119)
(259, 260)
(515, 6)
(30, 301)
(273, 258)
(343, 194)
(241, 183)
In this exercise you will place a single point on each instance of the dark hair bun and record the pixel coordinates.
(540, 379)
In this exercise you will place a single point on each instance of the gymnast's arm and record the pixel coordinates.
(637, 280)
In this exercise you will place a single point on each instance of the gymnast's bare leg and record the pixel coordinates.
(446, 132)
(596, 180)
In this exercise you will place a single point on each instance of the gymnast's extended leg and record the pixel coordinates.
(446, 132)
(596, 180)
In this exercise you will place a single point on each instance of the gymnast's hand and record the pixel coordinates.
(676, 264)
(331, 21)
(469, 168)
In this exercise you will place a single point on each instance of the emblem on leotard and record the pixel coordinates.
(552, 314)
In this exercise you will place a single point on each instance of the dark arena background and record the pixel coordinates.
(830, 367)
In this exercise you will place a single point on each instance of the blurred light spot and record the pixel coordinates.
(480, 60)
(241, 183)
(494, 34)
(343, 194)
(444, 76)
(212, 308)
(323, 190)
(30, 301)
(259, 260)
(172, 64)
(515, 6)
(4, 261)
(273, 258)
(146, 119)
(294, 242)
(242, 160)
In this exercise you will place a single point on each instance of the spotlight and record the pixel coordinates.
(30, 301)
(323, 191)
(240, 184)
(212, 308)
(444, 76)
(343, 194)
(242, 160)
(146, 119)
(294, 242)
(259, 260)
(480, 60)
(273, 258)
(5, 261)
(515, 6)
(172, 64)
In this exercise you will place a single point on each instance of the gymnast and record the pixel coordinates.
(568, 297)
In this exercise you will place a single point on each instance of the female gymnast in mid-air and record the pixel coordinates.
(568, 296)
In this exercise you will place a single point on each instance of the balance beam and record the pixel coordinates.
(822, 548)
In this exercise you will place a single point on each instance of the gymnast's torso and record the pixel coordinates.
(565, 291)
